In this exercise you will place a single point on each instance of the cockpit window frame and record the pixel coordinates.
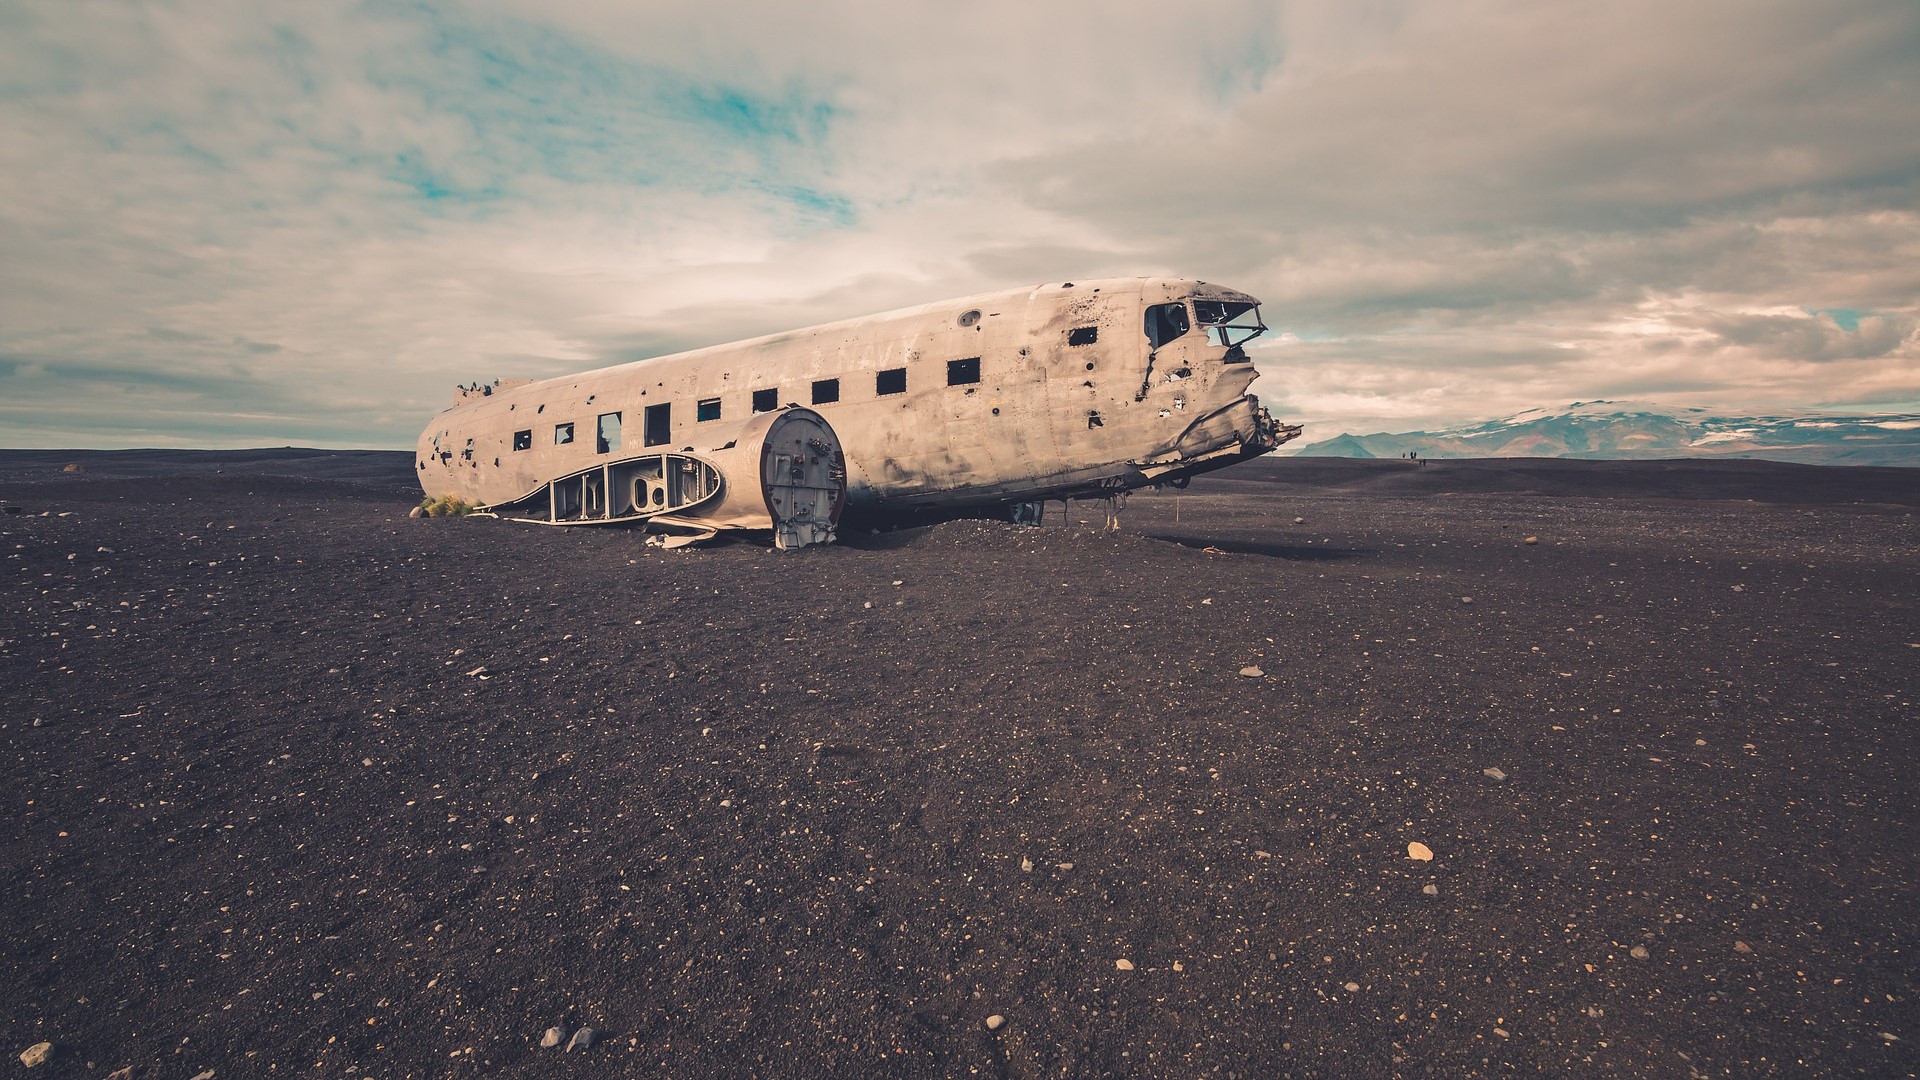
(1228, 324)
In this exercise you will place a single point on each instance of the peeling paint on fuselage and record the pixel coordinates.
(1046, 418)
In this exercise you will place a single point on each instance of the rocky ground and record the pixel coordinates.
(298, 786)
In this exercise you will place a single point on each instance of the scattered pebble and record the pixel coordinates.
(1251, 671)
(1466, 600)
(481, 670)
(1026, 865)
(1419, 852)
(1430, 889)
(1531, 540)
(1493, 773)
(582, 1039)
(552, 1037)
(1178, 966)
(1638, 952)
(130, 1072)
(207, 1075)
(1742, 947)
(1299, 521)
(994, 1022)
(1502, 1032)
(1353, 988)
(1063, 866)
(37, 1054)
(1123, 964)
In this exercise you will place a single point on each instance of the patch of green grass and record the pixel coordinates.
(447, 506)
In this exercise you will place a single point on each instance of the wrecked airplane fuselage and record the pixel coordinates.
(1064, 390)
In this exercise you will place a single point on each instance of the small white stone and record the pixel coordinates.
(1123, 964)
(994, 1022)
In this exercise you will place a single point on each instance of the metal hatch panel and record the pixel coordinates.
(803, 476)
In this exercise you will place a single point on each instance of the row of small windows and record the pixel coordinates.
(658, 418)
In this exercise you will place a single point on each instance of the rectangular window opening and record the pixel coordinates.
(1165, 322)
(890, 381)
(960, 372)
(658, 423)
(563, 433)
(766, 400)
(826, 391)
(1083, 335)
(607, 439)
(707, 410)
(523, 440)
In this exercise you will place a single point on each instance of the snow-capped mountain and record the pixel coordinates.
(1639, 429)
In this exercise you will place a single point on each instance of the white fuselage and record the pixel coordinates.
(1036, 393)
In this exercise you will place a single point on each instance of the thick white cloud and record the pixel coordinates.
(232, 223)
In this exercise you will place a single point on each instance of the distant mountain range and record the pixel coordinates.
(1639, 429)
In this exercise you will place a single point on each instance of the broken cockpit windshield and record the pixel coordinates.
(1229, 322)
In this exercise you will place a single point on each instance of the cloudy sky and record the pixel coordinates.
(249, 222)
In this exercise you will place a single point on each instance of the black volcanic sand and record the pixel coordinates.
(822, 814)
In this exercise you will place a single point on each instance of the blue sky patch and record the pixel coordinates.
(1847, 319)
